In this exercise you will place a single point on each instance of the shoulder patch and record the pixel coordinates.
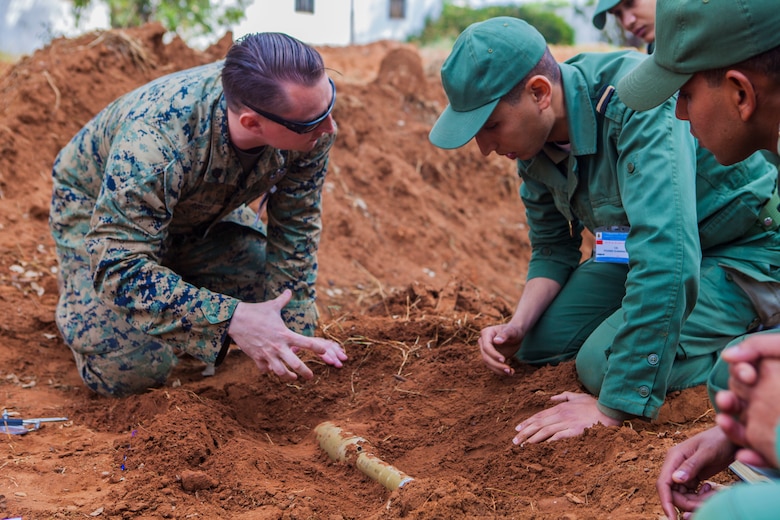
(604, 96)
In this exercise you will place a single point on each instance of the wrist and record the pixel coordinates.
(615, 414)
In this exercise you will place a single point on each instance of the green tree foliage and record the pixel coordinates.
(455, 19)
(186, 17)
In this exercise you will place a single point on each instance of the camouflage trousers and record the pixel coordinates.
(115, 358)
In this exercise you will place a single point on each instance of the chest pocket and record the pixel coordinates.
(199, 209)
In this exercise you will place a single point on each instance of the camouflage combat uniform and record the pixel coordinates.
(155, 241)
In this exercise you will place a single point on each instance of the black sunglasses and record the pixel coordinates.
(297, 126)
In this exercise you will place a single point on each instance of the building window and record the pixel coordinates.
(397, 8)
(304, 6)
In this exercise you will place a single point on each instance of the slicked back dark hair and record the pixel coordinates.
(257, 66)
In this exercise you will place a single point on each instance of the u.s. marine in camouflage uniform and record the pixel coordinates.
(159, 252)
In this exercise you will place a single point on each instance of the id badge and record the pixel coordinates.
(611, 244)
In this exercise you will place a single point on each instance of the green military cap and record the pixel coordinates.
(600, 16)
(699, 35)
(488, 59)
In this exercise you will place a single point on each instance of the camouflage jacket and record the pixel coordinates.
(156, 166)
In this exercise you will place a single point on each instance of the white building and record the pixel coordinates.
(340, 22)
(344, 22)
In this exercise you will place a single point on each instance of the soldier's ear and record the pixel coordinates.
(540, 88)
(250, 121)
(742, 93)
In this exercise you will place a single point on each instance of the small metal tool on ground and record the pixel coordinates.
(15, 426)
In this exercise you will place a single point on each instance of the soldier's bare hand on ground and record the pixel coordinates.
(260, 332)
(570, 417)
(498, 344)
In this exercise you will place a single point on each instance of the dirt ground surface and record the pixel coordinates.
(422, 248)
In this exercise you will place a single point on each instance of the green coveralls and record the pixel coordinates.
(155, 242)
(719, 377)
(626, 324)
(742, 501)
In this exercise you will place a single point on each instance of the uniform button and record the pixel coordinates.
(652, 359)
(644, 391)
(546, 251)
(630, 167)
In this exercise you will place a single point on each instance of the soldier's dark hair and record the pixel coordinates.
(767, 64)
(547, 67)
(257, 66)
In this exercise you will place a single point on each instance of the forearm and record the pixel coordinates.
(641, 356)
(294, 230)
(537, 296)
(664, 261)
(291, 263)
(555, 241)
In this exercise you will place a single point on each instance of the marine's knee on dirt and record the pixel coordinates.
(126, 371)
(112, 358)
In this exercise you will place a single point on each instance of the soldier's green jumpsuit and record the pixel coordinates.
(759, 501)
(626, 323)
(155, 241)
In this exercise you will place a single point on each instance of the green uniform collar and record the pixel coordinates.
(580, 113)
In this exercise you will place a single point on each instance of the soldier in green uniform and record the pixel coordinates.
(638, 17)
(159, 253)
(726, 66)
(667, 218)
(635, 16)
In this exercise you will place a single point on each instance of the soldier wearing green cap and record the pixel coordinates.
(724, 58)
(635, 16)
(665, 214)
